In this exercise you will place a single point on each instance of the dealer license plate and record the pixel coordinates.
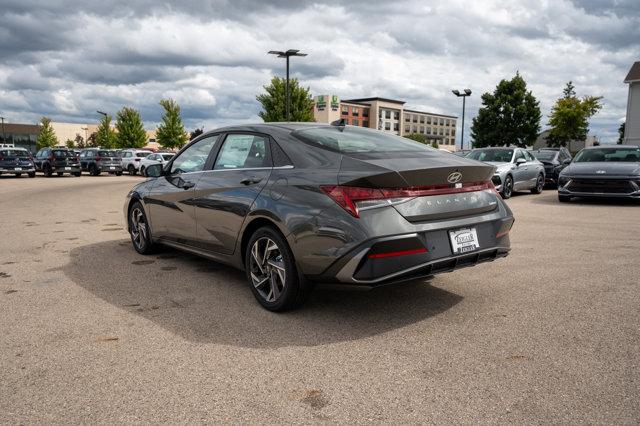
(464, 240)
(18, 169)
(112, 168)
(67, 168)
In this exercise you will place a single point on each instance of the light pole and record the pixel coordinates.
(4, 138)
(86, 134)
(464, 95)
(287, 54)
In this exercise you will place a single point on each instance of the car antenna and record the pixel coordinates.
(340, 124)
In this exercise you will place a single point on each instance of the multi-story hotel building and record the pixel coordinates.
(387, 115)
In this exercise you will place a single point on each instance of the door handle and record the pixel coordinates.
(188, 185)
(251, 180)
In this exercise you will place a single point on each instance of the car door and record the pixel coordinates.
(170, 200)
(534, 167)
(225, 194)
(520, 172)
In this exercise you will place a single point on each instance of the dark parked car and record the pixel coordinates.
(554, 161)
(16, 161)
(57, 160)
(294, 204)
(602, 171)
(97, 160)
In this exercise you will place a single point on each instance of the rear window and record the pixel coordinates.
(142, 154)
(106, 154)
(544, 155)
(14, 152)
(627, 155)
(495, 155)
(348, 139)
(63, 153)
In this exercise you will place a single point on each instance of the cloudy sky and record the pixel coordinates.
(66, 59)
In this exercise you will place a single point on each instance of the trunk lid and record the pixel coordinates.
(425, 170)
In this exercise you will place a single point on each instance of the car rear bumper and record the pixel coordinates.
(422, 254)
(12, 169)
(110, 168)
(66, 169)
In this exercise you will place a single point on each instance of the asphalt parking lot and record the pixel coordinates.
(92, 332)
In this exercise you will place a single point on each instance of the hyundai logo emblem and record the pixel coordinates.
(454, 177)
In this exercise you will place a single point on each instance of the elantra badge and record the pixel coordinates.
(601, 172)
(454, 177)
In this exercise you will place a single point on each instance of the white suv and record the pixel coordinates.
(131, 159)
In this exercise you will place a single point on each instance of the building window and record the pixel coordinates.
(365, 124)
(354, 121)
(387, 126)
(407, 129)
(354, 111)
(442, 121)
(441, 132)
(447, 122)
(407, 118)
(421, 129)
(345, 110)
(422, 119)
(396, 127)
(453, 132)
(415, 118)
(396, 115)
(365, 112)
(414, 128)
(428, 130)
(387, 114)
(447, 132)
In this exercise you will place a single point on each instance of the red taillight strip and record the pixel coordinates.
(348, 196)
(397, 253)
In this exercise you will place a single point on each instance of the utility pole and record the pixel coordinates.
(287, 54)
(464, 95)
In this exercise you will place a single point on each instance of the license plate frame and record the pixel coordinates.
(464, 240)
(67, 168)
(18, 169)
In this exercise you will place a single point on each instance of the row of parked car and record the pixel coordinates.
(611, 171)
(61, 160)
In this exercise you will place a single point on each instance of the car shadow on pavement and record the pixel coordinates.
(204, 301)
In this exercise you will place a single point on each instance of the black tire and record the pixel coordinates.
(118, 173)
(294, 289)
(60, 173)
(47, 170)
(32, 174)
(142, 171)
(564, 198)
(539, 185)
(131, 170)
(93, 170)
(507, 187)
(77, 174)
(139, 229)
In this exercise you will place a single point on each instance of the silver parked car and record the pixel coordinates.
(157, 158)
(131, 159)
(516, 169)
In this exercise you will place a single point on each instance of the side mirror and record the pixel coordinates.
(567, 161)
(520, 161)
(154, 170)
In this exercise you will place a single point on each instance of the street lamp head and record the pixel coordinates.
(290, 52)
(467, 91)
(456, 92)
(103, 113)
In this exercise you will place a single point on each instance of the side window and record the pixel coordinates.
(243, 152)
(518, 156)
(528, 156)
(152, 157)
(194, 158)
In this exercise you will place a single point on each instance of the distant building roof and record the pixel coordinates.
(21, 128)
(429, 113)
(634, 73)
(374, 99)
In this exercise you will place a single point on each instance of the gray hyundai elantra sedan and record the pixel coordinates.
(294, 204)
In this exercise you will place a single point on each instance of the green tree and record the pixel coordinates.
(569, 118)
(274, 101)
(47, 137)
(508, 116)
(417, 137)
(130, 131)
(435, 145)
(79, 142)
(195, 134)
(105, 136)
(621, 133)
(70, 143)
(171, 133)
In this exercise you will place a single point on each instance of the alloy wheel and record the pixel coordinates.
(267, 269)
(138, 227)
(508, 187)
(540, 183)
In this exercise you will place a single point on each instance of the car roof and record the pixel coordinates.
(497, 147)
(613, 147)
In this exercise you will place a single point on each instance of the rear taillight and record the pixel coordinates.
(98, 158)
(353, 199)
(1, 158)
